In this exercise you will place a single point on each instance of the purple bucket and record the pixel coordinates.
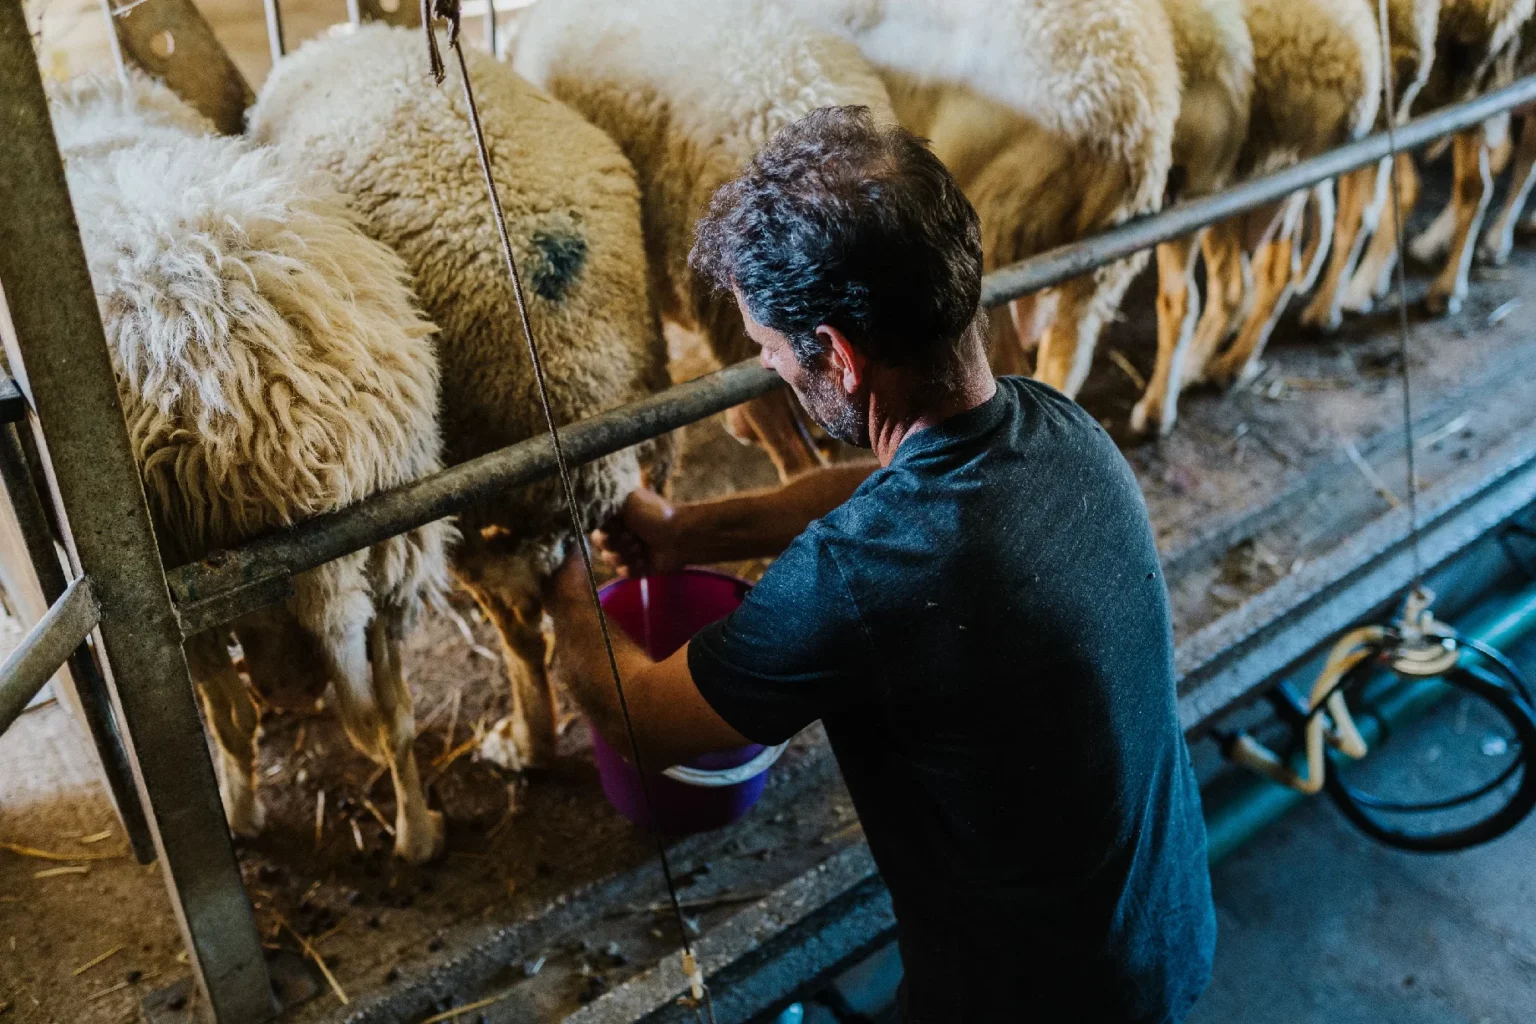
(661, 613)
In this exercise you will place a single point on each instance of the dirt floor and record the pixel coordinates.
(540, 869)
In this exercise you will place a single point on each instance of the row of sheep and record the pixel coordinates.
(315, 312)
(1061, 120)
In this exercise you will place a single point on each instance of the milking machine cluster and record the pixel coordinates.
(1379, 676)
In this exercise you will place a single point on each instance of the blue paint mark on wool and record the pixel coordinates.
(559, 257)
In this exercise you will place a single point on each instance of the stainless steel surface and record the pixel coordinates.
(275, 29)
(61, 362)
(90, 686)
(44, 649)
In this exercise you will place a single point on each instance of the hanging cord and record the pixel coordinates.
(1390, 103)
(449, 11)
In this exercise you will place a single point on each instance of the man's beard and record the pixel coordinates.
(839, 415)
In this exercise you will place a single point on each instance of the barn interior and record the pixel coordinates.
(1281, 517)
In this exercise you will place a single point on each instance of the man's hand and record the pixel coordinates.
(643, 539)
(651, 535)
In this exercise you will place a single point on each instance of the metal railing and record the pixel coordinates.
(231, 583)
(141, 612)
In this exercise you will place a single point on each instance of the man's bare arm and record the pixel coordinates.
(672, 720)
(655, 536)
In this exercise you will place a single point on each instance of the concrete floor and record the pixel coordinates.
(1319, 924)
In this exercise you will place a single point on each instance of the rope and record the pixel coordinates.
(1390, 104)
(449, 11)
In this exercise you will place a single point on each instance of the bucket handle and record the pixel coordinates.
(716, 778)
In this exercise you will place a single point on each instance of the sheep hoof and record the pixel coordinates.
(1140, 416)
(509, 743)
(1427, 249)
(245, 814)
(1359, 304)
(1495, 254)
(1320, 317)
(1442, 303)
(421, 843)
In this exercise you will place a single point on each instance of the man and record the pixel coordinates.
(980, 622)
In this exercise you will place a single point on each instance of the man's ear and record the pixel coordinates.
(846, 360)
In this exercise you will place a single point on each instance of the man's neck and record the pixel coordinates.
(893, 421)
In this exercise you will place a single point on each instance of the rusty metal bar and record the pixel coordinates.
(59, 354)
(44, 649)
(171, 41)
(227, 584)
(90, 686)
(234, 582)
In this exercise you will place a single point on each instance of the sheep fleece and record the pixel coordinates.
(271, 363)
(364, 108)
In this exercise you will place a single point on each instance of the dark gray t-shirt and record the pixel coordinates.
(984, 630)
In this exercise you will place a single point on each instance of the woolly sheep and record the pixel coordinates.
(364, 108)
(272, 366)
(1362, 237)
(1317, 84)
(1499, 240)
(1215, 54)
(1057, 118)
(691, 89)
(1477, 46)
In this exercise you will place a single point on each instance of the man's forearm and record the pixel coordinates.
(581, 661)
(762, 524)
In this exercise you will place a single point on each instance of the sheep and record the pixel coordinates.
(1215, 54)
(1477, 42)
(362, 108)
(1363, 193)
(1499, 240)
(1317, 84)
(1057, 119)
(691, 89)
(272, 366)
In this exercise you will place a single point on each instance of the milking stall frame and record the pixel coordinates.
(133, 679)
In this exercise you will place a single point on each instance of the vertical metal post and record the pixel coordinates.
(95, 701)
(275, 29)
(64, 368)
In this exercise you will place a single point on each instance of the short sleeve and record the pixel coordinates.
(794, 652)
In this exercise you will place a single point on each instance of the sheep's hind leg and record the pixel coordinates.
(375, 708)
(1325, 311)
(1471, 191)
(776, 424)
(1083, 305)
(1177, 305)
(1275, 268)
(1499, 240)
(507, 590)
(1373, 278)
(233, 717)
(1228, 284)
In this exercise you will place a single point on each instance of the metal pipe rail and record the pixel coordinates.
(227, 584)
(45, 648)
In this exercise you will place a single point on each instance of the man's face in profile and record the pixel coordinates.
(819, 388)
